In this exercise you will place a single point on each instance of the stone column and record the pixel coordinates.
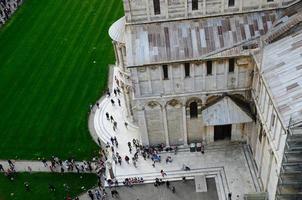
(143, 126)
(184, 117)
(120, 56)
(269, 169)
(125, 93)
(166, 126)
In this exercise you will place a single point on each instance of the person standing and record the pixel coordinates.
(1, 168)
(173, 189)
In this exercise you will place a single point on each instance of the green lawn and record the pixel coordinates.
(38, 182)
(48, 76)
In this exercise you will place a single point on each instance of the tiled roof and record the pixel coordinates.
(282, 70)
(193, 39)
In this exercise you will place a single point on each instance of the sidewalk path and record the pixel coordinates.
(38, 166)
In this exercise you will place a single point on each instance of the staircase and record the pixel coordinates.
(290, 177)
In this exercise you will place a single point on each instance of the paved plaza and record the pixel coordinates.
(184, 191)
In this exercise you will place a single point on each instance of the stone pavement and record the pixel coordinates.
(232, 157)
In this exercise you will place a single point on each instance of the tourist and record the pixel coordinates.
(99, 141)
(29, 169)
(169, 159)
(168, 184)
(90, 194)
(163, 173)
(112, 140)
(11, 164)
(173, 189)
(1, 168)
(107, 116)
(114, 194)
(130, 150)
(127, 159)
(97, 194)
(119, 102)
(112, 102)
(111, 119)
(118, 91)
(108, 93)
(134, 162)
(115, 92)
(119, 160)
(126, 124)
(97, 105)
(44, 162)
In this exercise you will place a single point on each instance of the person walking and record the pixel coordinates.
(112, 102)
(107, 116)
(168, 184)
(90, 194)
(97, 105)
(11, 164)
(173, 189)
(119, 102)
(163, 173)
(127, 159)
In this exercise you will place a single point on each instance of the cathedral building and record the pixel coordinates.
(201, 71)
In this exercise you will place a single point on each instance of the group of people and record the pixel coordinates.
(7, 8)
(131, 181)
(10, 171)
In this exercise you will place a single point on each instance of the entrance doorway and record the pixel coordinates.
(222, 132)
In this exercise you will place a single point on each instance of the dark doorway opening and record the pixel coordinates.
(222, 132)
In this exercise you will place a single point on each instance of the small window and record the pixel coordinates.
(165, 71)
(231, 65)
(194, 4)
(187, 69)
(193, 110)
(273, 120)
(231, 3)
(209, 67)
(260, 135)
(156, 5)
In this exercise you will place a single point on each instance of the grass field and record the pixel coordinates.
(38, 182)
(48, 77)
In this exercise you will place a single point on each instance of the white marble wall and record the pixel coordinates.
(137, 11)
(268, 153)
(149, 80)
